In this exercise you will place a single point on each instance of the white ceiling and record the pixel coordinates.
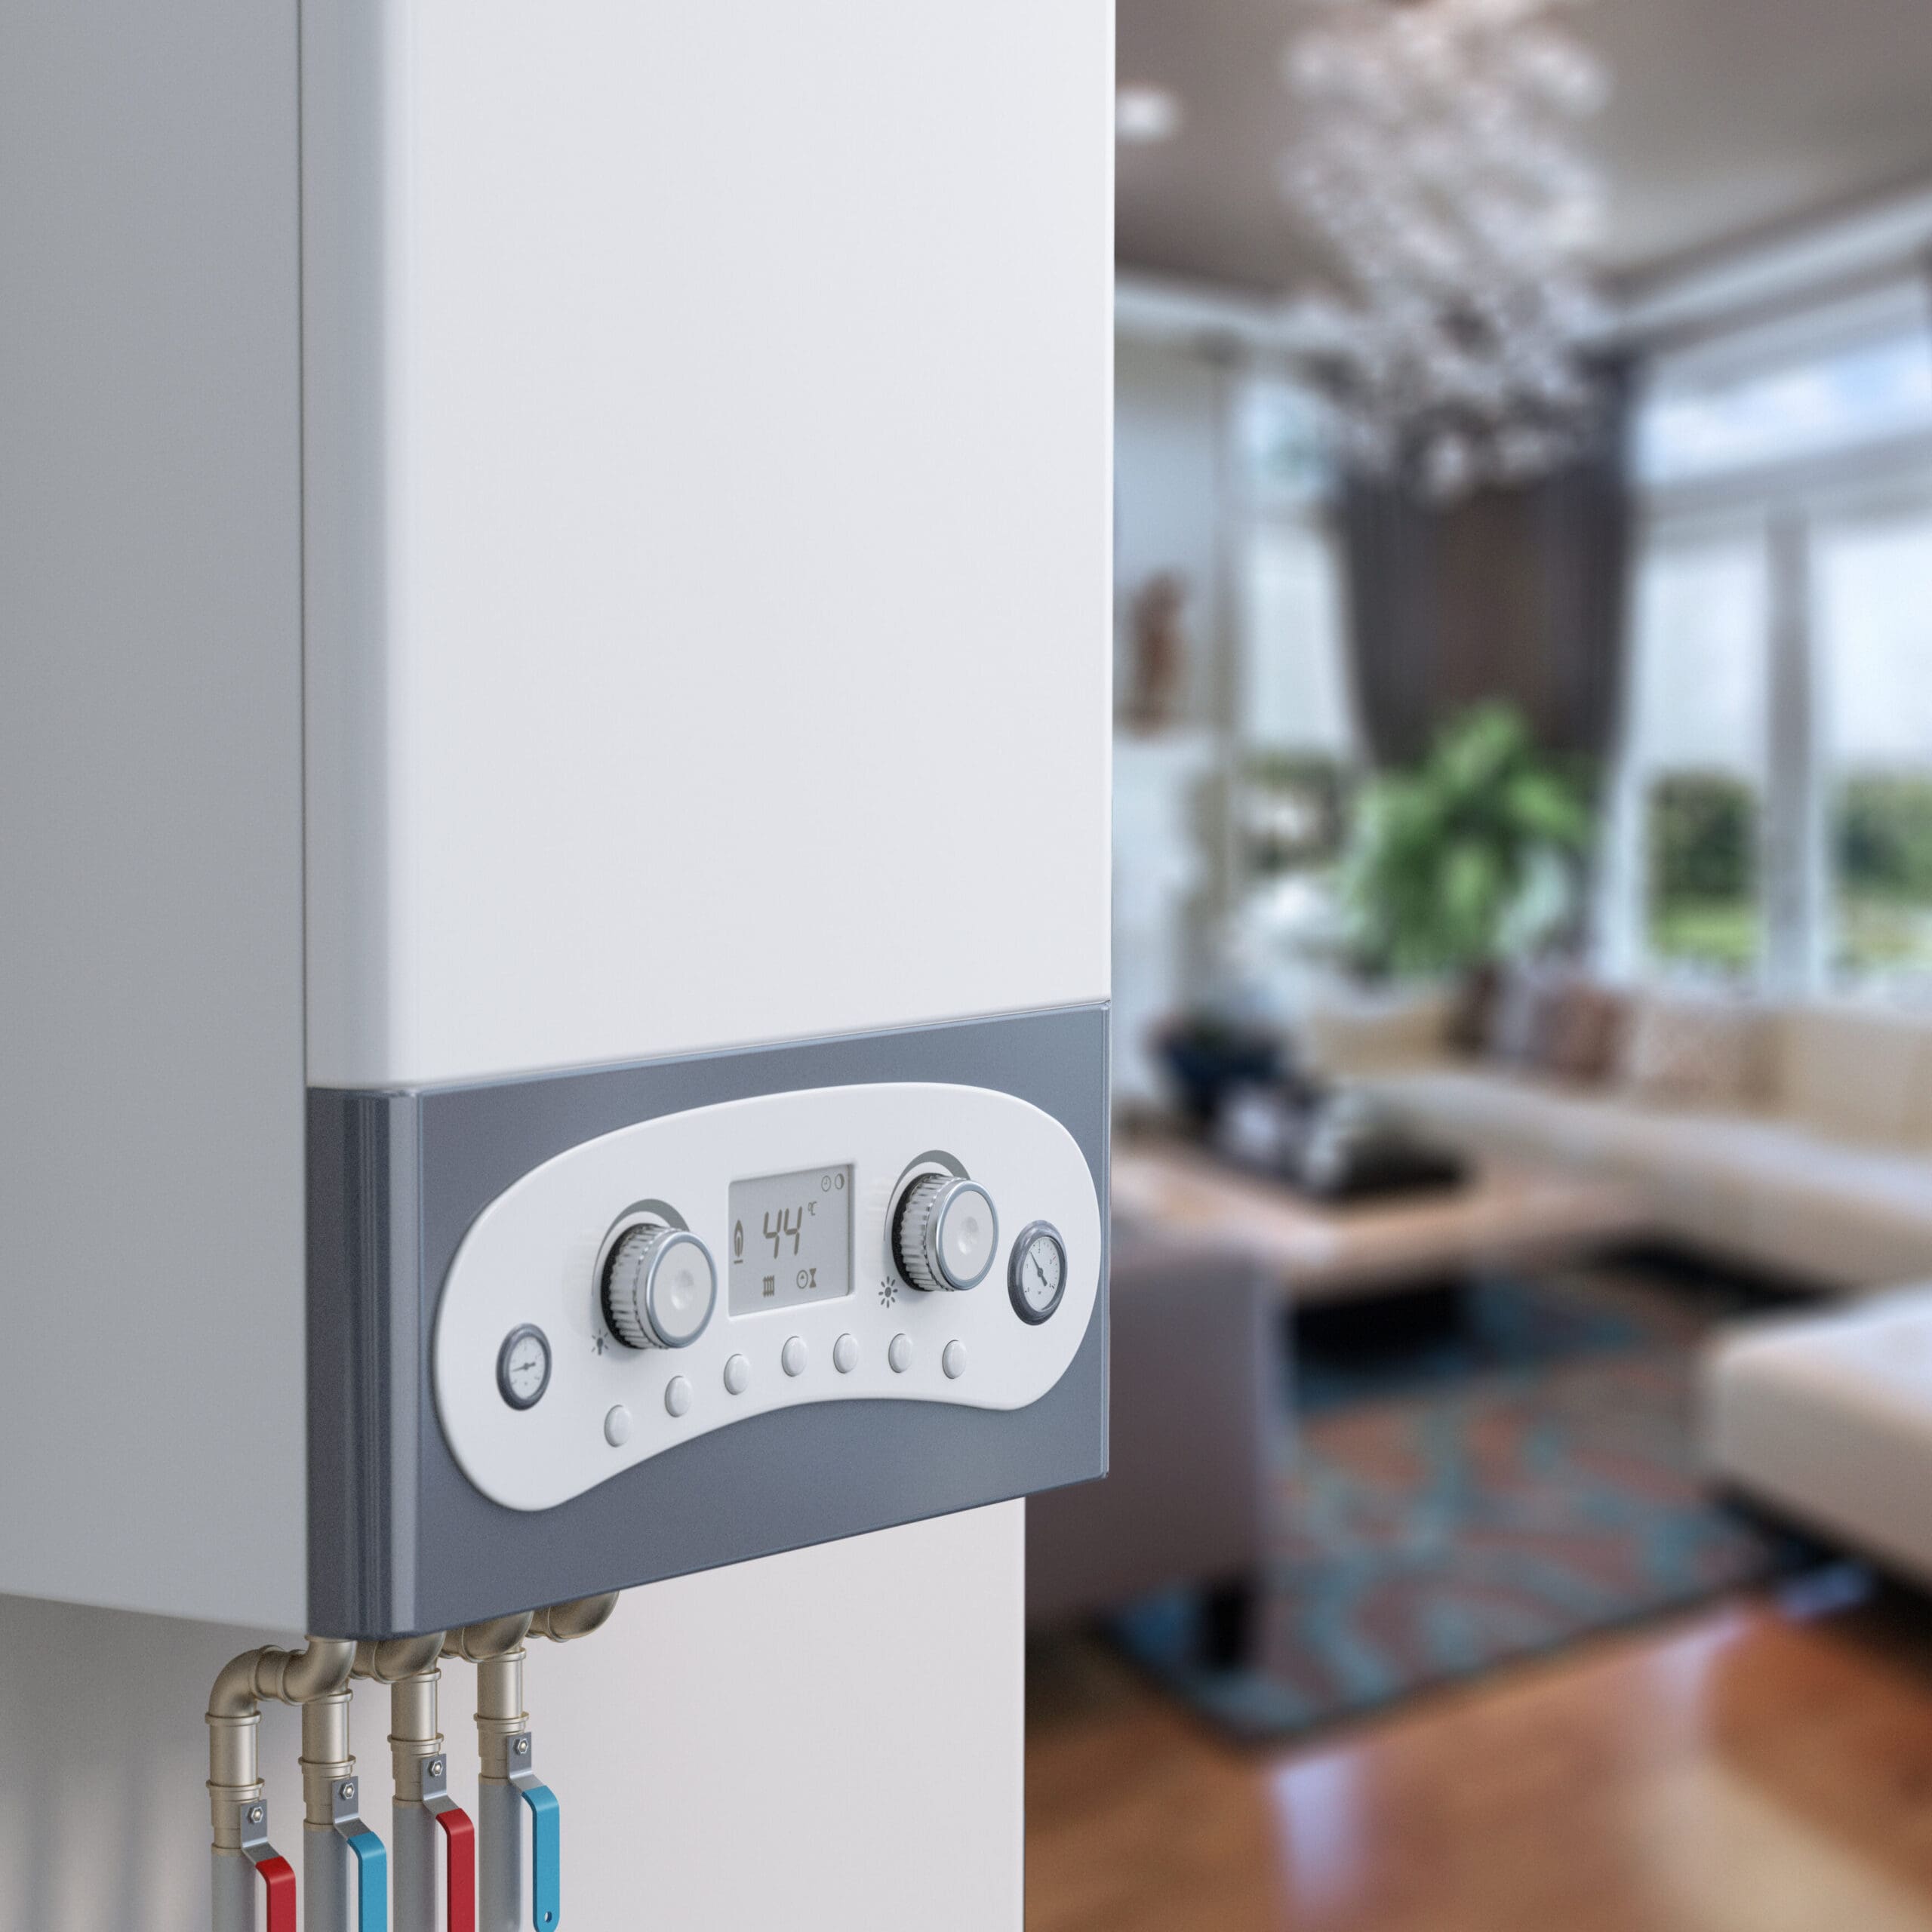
(1730, 118)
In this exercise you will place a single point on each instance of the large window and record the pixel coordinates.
(1872, 636)
(1700, 742)
(1774, 810)
(1295, 739)
(1856, 376)
(1295, 694)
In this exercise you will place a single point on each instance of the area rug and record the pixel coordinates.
(1474, 1479)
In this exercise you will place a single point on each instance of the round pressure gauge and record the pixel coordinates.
(1036, 1276)
(523, 1367)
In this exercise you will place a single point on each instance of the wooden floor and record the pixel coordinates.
(1760, 1768)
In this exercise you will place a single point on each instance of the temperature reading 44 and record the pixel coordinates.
(791, 1221)
(791, 1238)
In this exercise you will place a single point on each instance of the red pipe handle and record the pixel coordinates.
(278, 1880)
(459, 1862)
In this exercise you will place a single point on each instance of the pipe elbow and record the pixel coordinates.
(395, 1658)
(476, 1643)
(320, 1669)
(563, 1622)
(237, 1692)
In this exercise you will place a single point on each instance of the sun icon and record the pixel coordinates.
(888, 1294)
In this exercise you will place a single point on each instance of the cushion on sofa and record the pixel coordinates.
(1525, 1011)
(1856, 1073)
(1585, 1039)
(1694, 1050)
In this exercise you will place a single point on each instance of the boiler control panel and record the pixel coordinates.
(907, 1242)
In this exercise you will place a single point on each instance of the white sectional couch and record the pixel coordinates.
(1822, 1171)
(1828, 1419)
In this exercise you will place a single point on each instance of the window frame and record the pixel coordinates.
(1786, 504)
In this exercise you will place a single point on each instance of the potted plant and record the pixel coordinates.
(1475, 852)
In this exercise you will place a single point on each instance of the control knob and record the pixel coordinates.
(659, 1286)
(946, 1233)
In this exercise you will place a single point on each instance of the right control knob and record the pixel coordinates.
(946, 1234)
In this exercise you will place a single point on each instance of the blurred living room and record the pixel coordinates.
(1522, 1178)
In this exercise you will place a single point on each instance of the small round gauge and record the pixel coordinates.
(523, 1367)
(1036, 1276)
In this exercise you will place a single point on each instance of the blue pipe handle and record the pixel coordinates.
(546, 1881)
(372, 1884)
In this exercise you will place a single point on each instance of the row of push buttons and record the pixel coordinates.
(793, 1358)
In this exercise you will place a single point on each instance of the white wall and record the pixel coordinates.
(829, 1741)
(1169, 513)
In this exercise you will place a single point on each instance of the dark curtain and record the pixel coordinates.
(1512, 593)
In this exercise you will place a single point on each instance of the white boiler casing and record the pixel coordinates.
(555, 574)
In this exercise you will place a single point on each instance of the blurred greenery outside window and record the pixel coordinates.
(1702, 836)
(1871, 620)
(1881, 868)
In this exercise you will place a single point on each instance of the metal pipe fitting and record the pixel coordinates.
(328, 1771)
(237, 1803)
(326, 1759)
(408, 1665)
(414, 1735)
(475, 1641)
(397, 1657)
(416, 1745)
(235, 1717)
(496, 1648)
(506, 1783)
(564, 1622)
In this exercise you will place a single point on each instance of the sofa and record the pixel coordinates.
(1196, 1422)
(1814, 1164)
(1827, 1420)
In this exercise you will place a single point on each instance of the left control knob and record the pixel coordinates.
(659, 1287)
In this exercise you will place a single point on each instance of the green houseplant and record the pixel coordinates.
(1475, 852)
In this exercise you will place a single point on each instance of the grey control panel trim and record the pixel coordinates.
(400, 1542)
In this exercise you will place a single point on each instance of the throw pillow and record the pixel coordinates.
(1693, 1050)
(1472, 1019)
(1528, 1003)
(1586, 1032)
(1519, 1022)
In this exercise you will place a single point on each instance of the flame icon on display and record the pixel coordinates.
(738, 1242)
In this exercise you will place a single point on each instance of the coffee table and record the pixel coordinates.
(1507, 1214)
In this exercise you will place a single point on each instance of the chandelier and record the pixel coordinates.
(1440, 158)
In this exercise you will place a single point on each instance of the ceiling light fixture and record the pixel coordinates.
(1441, 159)
(1144, 115)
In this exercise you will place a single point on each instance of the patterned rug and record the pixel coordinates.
(1477, 1476)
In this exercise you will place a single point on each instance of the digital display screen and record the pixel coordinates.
(791, 1238)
